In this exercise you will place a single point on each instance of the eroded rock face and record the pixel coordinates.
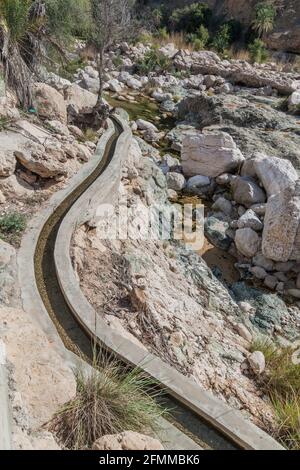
(40, 383)
(235, 71)
(127, 440)
(49, 102)
(281, 224)
(46, 162)
(209, 154)
(78, 97)
(7, 163)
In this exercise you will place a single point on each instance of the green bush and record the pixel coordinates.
(199, 39)
(153, 60)
(258, 51)
(189, 18)
(223, 38)
(12, 223)
(67, 17)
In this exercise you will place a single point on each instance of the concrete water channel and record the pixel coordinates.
(199, 417)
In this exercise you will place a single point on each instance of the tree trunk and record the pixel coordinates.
(101, 76)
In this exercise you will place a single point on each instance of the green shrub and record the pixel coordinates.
(199, 39)
(258, 51)
(223, 38)
(110, 399)
(153, 60)
(265, 14)
(66, 17)
(190, 17)
(12, 223)
(163, 33)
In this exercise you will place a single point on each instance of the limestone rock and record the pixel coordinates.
(133, 83)
(247, 242)
(127, 440)
(244, 332)
(46, 162)
(250, 219)
(274, 173)
(49, 102)
(281, 225)
(79, 98)
(260, 260)
(175, 181)
(43, 382)
(209, 154)
(223, 205)
(115, 85)
(58, 127)
(197, 182)
(145, 125)
(246, 191)
(257, 362)
(7, 162)
(258, 272)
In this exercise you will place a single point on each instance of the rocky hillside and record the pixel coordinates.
(286, 34)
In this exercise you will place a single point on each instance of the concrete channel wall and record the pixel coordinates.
(223, 418)
(33, 305)
(5, 415)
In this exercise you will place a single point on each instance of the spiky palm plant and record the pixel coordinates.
(265, 14)
(21, 27)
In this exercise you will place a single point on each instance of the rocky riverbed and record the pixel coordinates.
(235, 147)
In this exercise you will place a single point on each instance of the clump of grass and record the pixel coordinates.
(90, 135)
(281, 381)
(11, 227)
(110, 399)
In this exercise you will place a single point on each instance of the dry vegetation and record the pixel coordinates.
(110, 399)
(281, 382)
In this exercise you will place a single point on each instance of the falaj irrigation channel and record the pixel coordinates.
(204, 420)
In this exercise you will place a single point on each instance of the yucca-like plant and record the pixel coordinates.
(265, 14)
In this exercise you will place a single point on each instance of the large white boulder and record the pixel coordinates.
(281, 238)
(209, 154)
(78, 97)
(274, 173)
(247, 242)
(49, 102)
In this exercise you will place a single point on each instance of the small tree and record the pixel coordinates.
(111, 22)
(265, 14)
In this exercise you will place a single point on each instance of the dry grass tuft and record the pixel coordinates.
(110, 399)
